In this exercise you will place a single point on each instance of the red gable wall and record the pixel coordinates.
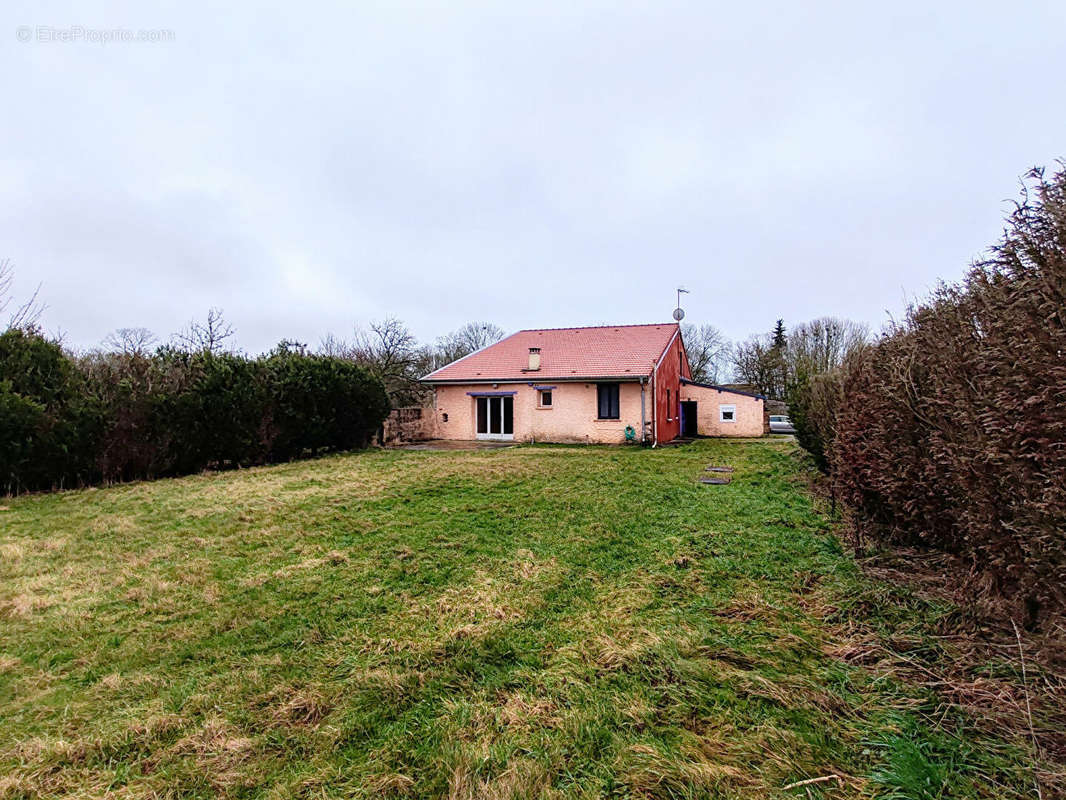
(672, 368)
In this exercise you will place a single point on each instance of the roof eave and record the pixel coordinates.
(723, 389)
(630, 376)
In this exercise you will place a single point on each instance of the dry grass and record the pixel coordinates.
(651, 772)
(392, 784)
(521, 779)
(524, 623)
(515, 710)
(305, 706)
(11, 553)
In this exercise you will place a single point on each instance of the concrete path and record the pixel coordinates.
(451, 444)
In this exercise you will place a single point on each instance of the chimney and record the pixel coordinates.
(534, 359)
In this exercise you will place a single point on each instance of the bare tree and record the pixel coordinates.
(209, 336)
(710, 353)
(462, 342)
(812, 348)
(130, 341)
(816, 353)
(25, 315)
(391, 352)
(822, 344)
(335, 347)
(757, 363)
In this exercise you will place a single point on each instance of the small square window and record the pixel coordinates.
(727, 413)
(545, 399)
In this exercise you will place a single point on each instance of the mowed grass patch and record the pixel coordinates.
(529, 622)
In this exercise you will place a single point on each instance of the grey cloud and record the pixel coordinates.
(547, 164)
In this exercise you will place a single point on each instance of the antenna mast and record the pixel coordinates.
(679, 313)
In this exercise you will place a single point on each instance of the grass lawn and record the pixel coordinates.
(530, 622)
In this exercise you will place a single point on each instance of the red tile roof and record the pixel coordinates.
(616, 351)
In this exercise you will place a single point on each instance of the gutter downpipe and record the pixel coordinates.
(643, 425)
(654, 415)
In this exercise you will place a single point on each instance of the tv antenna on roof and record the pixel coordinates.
(679, 312)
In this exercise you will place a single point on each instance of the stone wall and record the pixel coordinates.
(408, 424)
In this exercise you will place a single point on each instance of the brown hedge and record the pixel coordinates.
(953, 431)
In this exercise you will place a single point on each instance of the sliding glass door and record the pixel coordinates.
(495, 417)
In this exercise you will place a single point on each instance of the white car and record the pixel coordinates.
(779, 423)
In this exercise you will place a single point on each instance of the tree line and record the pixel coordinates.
(138, 408)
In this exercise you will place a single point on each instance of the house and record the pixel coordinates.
(604, 384)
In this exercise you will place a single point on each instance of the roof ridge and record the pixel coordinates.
(598, 327)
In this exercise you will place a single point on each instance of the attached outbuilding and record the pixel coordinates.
(710, 410)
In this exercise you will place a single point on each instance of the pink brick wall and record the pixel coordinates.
(571, 418)
(749, 412)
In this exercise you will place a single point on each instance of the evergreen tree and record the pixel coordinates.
(778, 360)
(780, 341)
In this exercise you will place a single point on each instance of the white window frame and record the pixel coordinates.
(540, 398)
(490, 400)
(722, 412)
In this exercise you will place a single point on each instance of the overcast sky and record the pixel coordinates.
(533, 165)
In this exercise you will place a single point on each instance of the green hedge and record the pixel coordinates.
(107, 417)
